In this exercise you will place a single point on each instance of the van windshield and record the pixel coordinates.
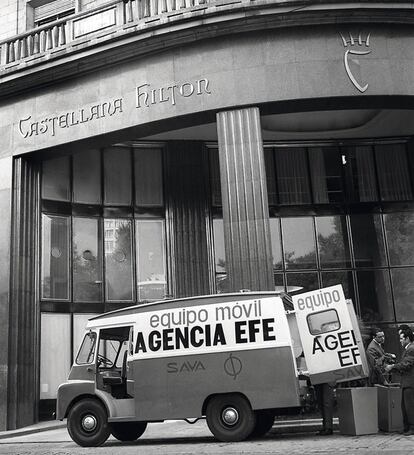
(87, 351)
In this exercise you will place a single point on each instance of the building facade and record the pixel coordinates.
(161, 148)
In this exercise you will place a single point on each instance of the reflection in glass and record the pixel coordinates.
(323, 322)
(151, 269)
(55, 257)
(368, 240)
(55, 179)
(343, 277)
(118, 260)
(299, 243)
(117, 182)
(360, 173)
(302, 282)
(332, 241)
(276, 243)
(326, 174)
(403, 286)
(148, 177)
(292, 176)
(87, 177)
(393, 176)
(375, 296)
(399, 228)
(87, 263)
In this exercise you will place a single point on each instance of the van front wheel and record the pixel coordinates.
(128, 431)
(230, 417)
(88, 423)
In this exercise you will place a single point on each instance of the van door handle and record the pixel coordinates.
(89, 369)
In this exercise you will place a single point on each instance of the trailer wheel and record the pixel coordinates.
(128, 431)
(230, 417)
(88, 423)
(264, 422)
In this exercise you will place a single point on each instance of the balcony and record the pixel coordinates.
(124, 29)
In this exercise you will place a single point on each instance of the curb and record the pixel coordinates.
(37, 428)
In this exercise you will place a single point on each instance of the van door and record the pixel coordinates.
(330, 336)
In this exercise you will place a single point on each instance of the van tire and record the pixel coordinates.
(88, 423)
(128, 431)
(264, 422)
(230, 417)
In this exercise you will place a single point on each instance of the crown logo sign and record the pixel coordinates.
(354, 47)
(351, 40)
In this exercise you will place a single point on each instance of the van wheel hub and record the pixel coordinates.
(89, 423)
(230, 416)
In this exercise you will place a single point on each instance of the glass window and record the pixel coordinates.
(393, 176)
(333, 243)
(343, 277)
(55, 257)
(278, 279)
(403, 286)
(399, 228)
(299, 243)
(118, 261)
(56, 179)
(323, 322)
(148, 178)
(87, 177)
(360, 173)
(375, 296)
(87, 350)
(117, 181)
(368, 240)
(55, 355)
(276, 243)
(215, 180)
(292, 176)
(151, 268)
(326, 174)
(219, 255)
(79, 323)
(302, 282)
(87, 261)
(270, 175)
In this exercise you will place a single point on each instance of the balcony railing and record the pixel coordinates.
(54, 37)
(118, 17)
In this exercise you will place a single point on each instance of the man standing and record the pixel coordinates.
(406, 369)
(376, 356)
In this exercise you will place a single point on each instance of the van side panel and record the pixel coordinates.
(176, 387)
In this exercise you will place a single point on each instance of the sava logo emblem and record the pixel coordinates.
(185, 367)
(353, 50)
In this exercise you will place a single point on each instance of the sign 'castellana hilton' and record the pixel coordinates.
(145, 97)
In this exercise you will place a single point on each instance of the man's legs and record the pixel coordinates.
(407, 407)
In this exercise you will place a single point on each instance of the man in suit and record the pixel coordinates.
(405, 367)
(376, 357)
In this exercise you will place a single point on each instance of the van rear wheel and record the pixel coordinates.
(230, 417)
(88, 423)
(128, 431)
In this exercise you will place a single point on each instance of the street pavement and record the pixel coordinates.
(177, 437)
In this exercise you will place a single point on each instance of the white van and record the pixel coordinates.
(229, 358)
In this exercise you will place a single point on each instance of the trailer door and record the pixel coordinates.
(330, 336)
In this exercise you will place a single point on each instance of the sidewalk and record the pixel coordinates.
(280, 426)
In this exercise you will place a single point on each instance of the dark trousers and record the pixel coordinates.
(407, 407)
(325, 398)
